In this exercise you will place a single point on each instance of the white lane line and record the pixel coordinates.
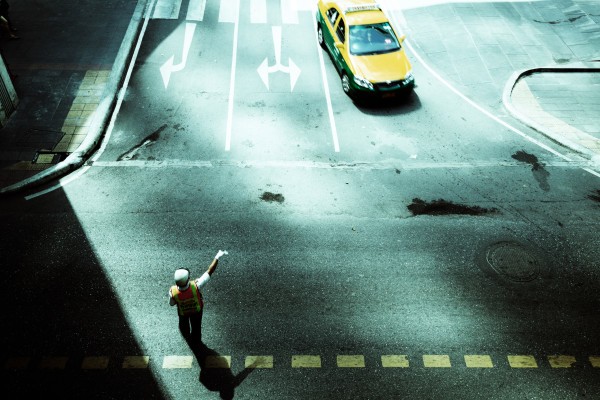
(232, 79)
(334, 135)
(66, 180)
(477, 106)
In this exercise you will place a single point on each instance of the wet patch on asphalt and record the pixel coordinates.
(272, 197)
(444, 207)
(539, 171)
(149, 140)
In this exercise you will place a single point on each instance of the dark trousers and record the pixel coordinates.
(190, 327)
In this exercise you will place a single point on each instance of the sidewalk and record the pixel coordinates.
(561, 102)
(66, 67)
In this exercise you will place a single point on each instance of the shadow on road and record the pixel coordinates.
(215, 373)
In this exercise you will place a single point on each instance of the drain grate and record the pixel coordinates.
(513, 261)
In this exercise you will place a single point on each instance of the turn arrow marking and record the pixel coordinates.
(168, 68)
(264, 69)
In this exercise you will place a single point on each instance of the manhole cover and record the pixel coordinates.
(513, 261)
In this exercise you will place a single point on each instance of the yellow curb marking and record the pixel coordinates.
(306, 361)
(561, 361)
(218, 362)
(522, 362)
(394, 361)
(259, 362)
(355, 361)
(95, 363)
(135, 362)
(172, 362)
(478, 361)
(53, 363)
(436, 361)
(17, 363)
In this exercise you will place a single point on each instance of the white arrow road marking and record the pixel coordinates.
(264, 69)
(168, 68)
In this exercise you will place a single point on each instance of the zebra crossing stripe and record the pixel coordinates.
(166, 9)
(258, 11)
(170, 9)
(289, 11)
(196, 10)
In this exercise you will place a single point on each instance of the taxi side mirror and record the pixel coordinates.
(402, 38)
(339, 45)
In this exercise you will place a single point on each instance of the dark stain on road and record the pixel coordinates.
(595, 196)
(149, 140)
(444, 207)
(559, 21)
(271, 197)
(539, 171)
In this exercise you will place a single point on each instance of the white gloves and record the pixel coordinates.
(220, 253)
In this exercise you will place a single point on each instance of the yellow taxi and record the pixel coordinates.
(364, 48)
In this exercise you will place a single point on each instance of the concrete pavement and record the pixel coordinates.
(538, 57)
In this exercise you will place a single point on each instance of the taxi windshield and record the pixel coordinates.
(372, 39)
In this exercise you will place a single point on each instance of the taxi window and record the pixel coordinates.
(332, 15)
(341, 31)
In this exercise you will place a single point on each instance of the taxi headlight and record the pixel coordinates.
(409, 76)
(360, 81)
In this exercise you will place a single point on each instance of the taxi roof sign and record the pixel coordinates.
(364, 7)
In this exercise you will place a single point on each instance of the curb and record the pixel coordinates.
(103, 116)
(507, 101)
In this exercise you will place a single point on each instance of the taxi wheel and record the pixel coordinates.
(320, 36)
(346, 84)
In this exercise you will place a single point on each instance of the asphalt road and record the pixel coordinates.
(435, 230)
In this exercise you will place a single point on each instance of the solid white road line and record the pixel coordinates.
(232, 79)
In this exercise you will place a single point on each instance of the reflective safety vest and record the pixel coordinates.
(188, 301)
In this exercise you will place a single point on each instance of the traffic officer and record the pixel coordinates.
(186, 294)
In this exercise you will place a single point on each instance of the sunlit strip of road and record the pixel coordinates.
(404, 165)
(232, 79)
(66, 180)
(392, 17)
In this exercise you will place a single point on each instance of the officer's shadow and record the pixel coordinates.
(215, 375)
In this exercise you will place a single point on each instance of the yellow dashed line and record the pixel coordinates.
(172, 362)
(95, 363)
(356, 361)
(53, 363)
(394, 361)
(561, 361)
(436, 361)
(135, 362)
(478, 361)
(17, 363)
(259, 362)
(218, 362)
(522, 362)
(297, 361)
(306, 361)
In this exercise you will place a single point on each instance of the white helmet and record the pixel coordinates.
(182, 276)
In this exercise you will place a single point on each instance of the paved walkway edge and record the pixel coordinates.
(103, 112)
(507, 101)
